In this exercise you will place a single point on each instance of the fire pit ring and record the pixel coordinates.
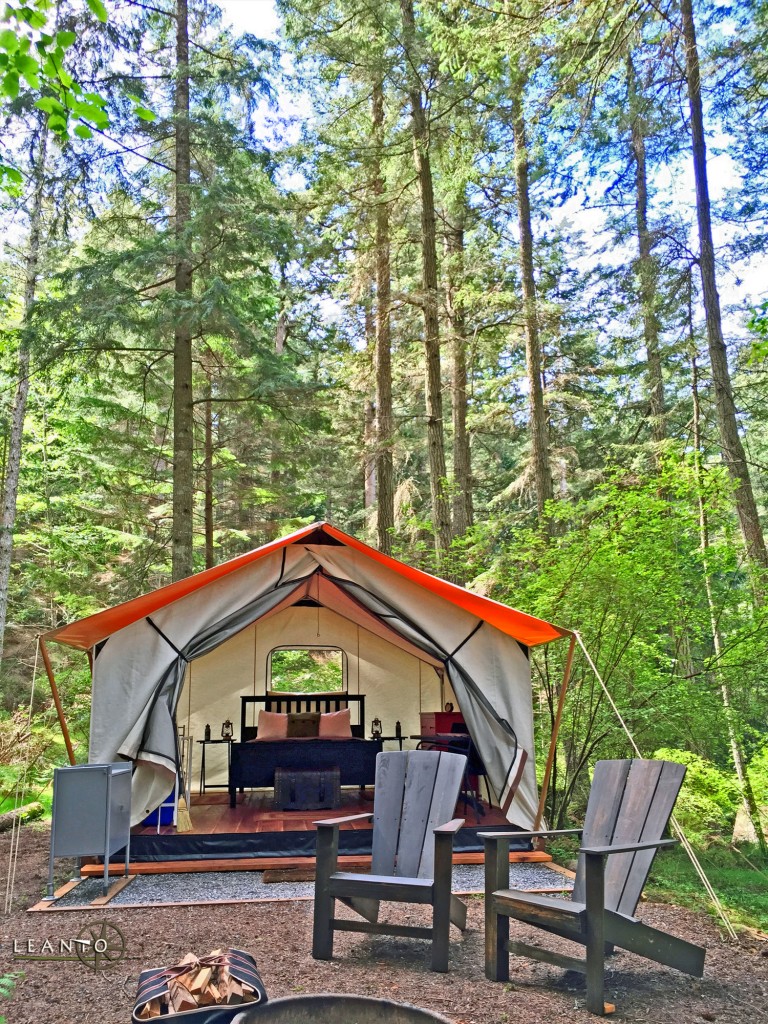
(337, 1009)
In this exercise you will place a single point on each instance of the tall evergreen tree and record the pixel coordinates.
(415, 67)
(730, 438)
(183, 425)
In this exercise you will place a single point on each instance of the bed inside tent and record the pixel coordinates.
(393, 646)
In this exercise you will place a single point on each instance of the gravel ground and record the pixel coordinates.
(204, 887)
(734, 989)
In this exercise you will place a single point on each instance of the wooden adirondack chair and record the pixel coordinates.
(629, 806)
(413, 829)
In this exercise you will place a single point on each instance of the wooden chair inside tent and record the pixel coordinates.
(413, 828)
(629, 806)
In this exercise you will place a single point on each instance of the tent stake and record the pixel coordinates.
(555, 733)
(57, 701)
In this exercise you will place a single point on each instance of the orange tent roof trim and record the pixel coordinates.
(85, 633)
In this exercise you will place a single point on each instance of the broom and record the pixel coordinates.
(183, 820)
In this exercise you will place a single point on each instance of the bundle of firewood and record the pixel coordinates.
(197, 982)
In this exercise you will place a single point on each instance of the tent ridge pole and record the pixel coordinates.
(555, 733)
(57, 700)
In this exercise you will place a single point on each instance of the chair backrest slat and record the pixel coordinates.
(630, 801)
(450, 773)
(603, 806)
(420, 779)
(387, 811)
(662, 785)
(416, 791)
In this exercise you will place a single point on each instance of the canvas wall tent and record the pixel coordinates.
(189, 650)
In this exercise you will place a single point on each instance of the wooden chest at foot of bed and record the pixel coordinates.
(307, 790)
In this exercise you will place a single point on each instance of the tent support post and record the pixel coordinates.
(57, 701)
(555, 733)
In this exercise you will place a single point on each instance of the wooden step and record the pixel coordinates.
(166, 867)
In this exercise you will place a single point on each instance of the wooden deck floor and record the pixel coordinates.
(211, 814)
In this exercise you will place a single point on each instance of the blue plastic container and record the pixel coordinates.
(165, 810)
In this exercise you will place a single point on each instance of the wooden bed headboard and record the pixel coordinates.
(285, 703)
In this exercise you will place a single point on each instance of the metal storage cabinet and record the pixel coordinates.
(91, 814)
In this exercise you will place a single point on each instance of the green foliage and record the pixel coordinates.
(31, 51)
(709, 798)
(40, 67)
(28, 755)
(7, 985)
(738, 876)
(758, 322)
(306, 671)
(623, 562)
(758, 775)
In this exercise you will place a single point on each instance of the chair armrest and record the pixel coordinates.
(450, 827)
(531, 835)
(327, 849)
(603, 851)
(335, 822)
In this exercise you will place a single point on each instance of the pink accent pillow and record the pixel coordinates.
(272, 726)
(336, 725)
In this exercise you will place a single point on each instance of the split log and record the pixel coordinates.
(200, 980)
(191, 962)
(179, 998)
(22, 814)
(209, 996)
(150, 1010)
(233, 990)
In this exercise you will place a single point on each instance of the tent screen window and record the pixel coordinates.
(306, 670)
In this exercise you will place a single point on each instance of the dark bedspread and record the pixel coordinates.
(253, 764)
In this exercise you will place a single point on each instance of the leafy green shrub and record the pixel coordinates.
(737, 876)
(564, 849)
(706, 807)
(7, 985)
(28, 754)
(758, 775)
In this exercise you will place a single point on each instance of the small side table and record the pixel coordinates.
(214, 785)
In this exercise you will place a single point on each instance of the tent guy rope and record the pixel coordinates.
(21, 783)
(676, 827)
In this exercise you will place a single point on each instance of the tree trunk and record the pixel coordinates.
(538, 423)
(739, 764)
(434, 396)
(647, 270)
(208, 472)
(462, 459)
(19, 408)
(730, 441)
(183, 421)
(369, 413)
(21, 814)
(385, 474)
(369, 483)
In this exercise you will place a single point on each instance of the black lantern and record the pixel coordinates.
(376, 729)
(227, 730)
